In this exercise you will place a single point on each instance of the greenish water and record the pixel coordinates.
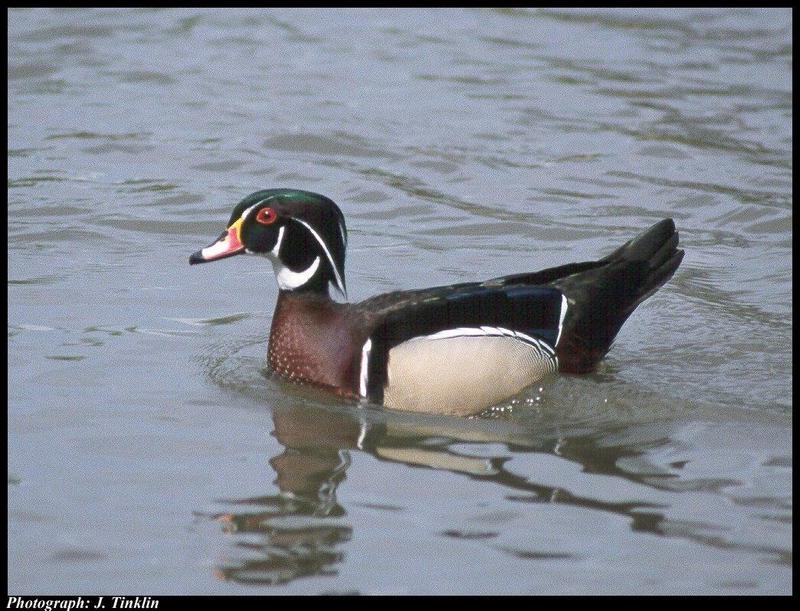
(149, 452)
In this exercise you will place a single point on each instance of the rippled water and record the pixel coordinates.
(150, 452)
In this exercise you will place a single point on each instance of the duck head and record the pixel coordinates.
(302, 233)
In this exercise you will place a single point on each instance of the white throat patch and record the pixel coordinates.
(289, 280)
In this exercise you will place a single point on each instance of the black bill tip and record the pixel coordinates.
(197, 257)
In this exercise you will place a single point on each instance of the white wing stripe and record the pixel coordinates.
(485, 331)
(362, 388)
(561, 317)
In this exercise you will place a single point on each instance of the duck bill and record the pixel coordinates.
(228, 244)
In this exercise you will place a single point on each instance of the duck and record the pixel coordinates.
(457, 349)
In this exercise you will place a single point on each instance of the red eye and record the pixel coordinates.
(266, 216)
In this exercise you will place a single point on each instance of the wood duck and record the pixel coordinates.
(454, 349)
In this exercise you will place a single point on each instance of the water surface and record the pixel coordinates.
(150, 452)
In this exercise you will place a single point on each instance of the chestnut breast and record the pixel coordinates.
(314, 340)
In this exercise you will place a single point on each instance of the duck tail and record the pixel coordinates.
(601, 299)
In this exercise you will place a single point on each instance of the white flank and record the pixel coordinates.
(362, 385)
(561, 316)
(289, 280)
(339, 283)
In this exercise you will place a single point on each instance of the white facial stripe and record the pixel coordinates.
(362, 388)
(339, 283)
(272, 254)
(289, 280)
(277, 248)
(561, 317)
(249, 210)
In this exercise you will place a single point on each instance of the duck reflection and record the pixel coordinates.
(297, 532)
(301, 530)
